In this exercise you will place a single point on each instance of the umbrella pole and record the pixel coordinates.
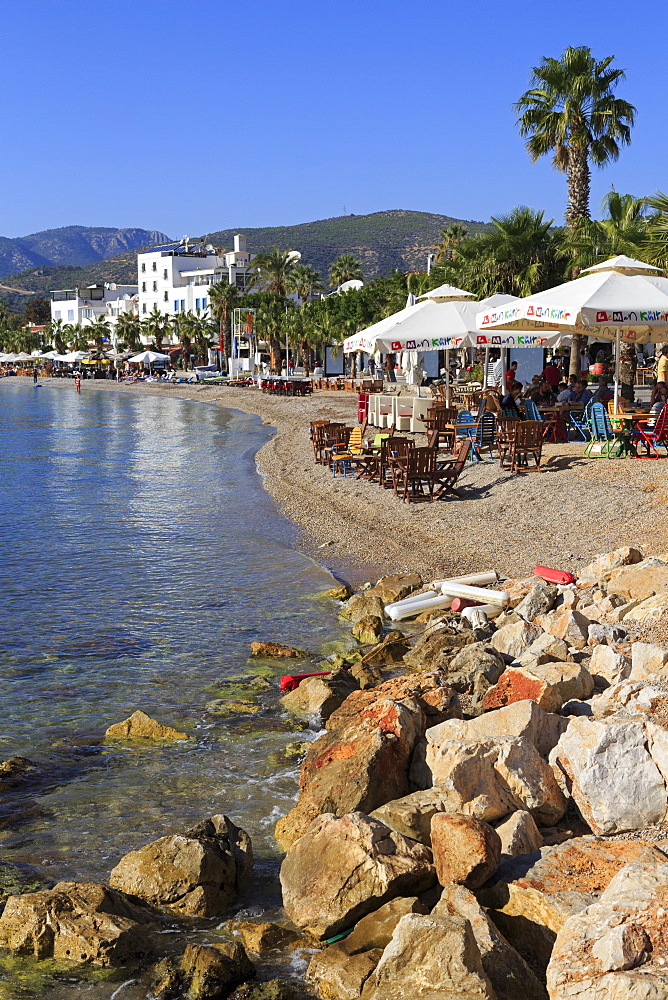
(617, 350)
(484, 374)
(447, 377)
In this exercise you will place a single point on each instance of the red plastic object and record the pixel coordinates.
(554, 575)
(291, 681)
(459, 603)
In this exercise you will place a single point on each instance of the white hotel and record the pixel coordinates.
(84, 305)
(176, 278)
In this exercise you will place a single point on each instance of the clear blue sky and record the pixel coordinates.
(195, 116)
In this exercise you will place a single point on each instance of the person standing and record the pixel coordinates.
(511, 376)
(77, 382)
(662, 366)
(550, 374)
(585, 363)
(34, 375)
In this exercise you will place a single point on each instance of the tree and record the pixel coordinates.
(224, 298)
(304, 280)
(270, 325)
(275, 267)
(571, 111)
(128, 331)
(622, 230)
(346, 267)
(155, 327)
(37, 311)
(56, 335)
(451, 237)
(100, 331)
(656, 242)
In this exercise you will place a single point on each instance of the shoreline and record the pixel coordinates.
(560, 517)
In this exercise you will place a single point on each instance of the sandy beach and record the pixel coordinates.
(561, 517)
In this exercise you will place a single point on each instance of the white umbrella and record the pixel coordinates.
(148, 357)
(619, 299)
(23, 357)
(73, 356)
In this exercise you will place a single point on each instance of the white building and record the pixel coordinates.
(176, 278)
(84, 305)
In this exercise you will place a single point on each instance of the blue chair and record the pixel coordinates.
(485, 437)
(531, 411)
(579, 422)
(603, 441)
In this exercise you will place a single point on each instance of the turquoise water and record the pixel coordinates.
(140, 557)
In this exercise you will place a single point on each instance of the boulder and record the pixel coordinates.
(509, 974)
(363, 759)
(435, 649)
(640, 580)
(609, 665)
(548, 684)
(392, 649)
(519, 835)
(538, 601)
(85, 923)
(339, 593)
(466, 850)
(338, 975)
(491, 778)
(411, 815)
(649, 663)
(197, 873)
(395, 587)
(521, 718)
(275, 651)
(652, 609)
(430, 957)
(368, 630)
(344, 867)
(475, 667)
(616, 948)
(141, 726)
(260, 937)
(608, 635)
(272, 989)
(569, 625)
(376, 929)
(613, 780)
(631, 698)
(17, 771)
(361, 606)
(211, 972)
(531, 897)
(602, 566)
(548, 647)
(320, 695)
(515, 639)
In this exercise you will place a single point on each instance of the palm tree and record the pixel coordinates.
(100, 331)
(571, 111)
(76, 336)
(128, 331)
(451, 237)
(270, 325)
(622, 230)
(223, 297)
(656, 243)
(304, 280)
(275, 267)
(346, 267)
(56, 336)
(155, 327)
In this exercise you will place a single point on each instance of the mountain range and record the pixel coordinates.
(396, 239)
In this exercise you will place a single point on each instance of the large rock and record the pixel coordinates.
(84, 923)
(392, 649)
(269, 650)
(368, 630)
(519, 835)
(338, 975)
(598, 570)
(652, 609)
(411, 815)
(344, 867)
(522, 719)
(210, 972)
(616, 948)
(571, 626)
(197, 873)
(140, 726)
(509, 974)
(614, 781)
(609, 665)
(531, 897)
(361, 606)
(430, 958)
(262, 936)
(649, 663)
(475, 668)
(641, 580)
(466, 850)
(538, 601)
(320, 695)
(435, 649)
(17, 771)
(491, 778)
(515, 639)
(550, 685)
(363, 759)
(545, 648)
(395, 587)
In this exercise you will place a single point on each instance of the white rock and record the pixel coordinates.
(648, 662)
(609, 665)
(519, 835)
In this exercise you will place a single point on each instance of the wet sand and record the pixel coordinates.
(562, 516)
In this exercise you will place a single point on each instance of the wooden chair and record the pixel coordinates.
(447, 473)
(528, 442)
(506, 428)
(398, 448)
(414, 475)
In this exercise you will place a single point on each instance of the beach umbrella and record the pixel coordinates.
(73, 356)
(620, 299)
(148, 358)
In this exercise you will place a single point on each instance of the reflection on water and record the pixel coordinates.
(140, 558)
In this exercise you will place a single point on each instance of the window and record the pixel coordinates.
(176, 305)
(143, 286)
(164, 274)
(198, 303)
(205, 302)
(183, 305)
(143, 308)
(143, 267)
(166, 296)
(70, 315)
(155, 286)
(155, 265)
(56, 314)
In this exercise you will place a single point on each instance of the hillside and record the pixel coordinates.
(71, 245)
(382, 242)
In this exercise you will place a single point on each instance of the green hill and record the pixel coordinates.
(382, 242)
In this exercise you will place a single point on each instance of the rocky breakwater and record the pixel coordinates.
(492, 822)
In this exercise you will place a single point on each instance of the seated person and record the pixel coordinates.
(657, 400)
(509, 406)
(578, 394)
(561, 387)
(603, 392)
(544, 395)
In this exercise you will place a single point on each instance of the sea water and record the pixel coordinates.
(140, 557)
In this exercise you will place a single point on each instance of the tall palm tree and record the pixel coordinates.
(128, 331)
(275, 267)
(623, 229)
(76, 336)
(56, 335)
(100, 331)
(304, 280)
(451, 237)
(571, 112)
(656, 242)
(346, 267)
(155, 327)
(224, 297)
(270, 324)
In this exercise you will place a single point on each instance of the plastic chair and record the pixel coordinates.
(485, 437)
(603, 441)
(578, 421)
(651, 437)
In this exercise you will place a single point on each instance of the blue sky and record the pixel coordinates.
(190, 117)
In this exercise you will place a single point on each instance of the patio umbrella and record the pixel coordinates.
(619, 299)
(148, 357)
(73, 356)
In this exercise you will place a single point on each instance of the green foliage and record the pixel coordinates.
(346, 267)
